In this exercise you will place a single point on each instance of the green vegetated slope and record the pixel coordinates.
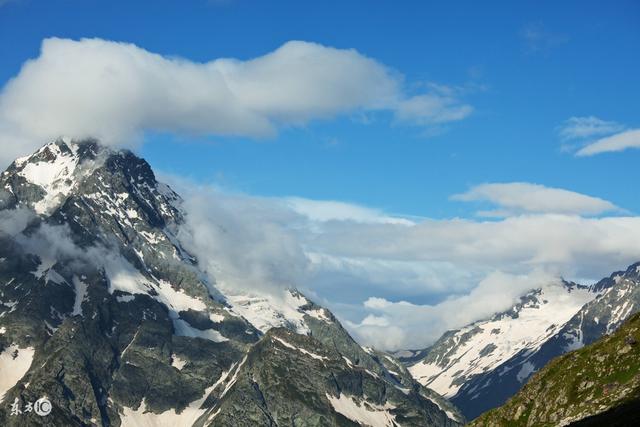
(596, 385)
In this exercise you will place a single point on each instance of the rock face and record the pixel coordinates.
(480, 366)
(292, 379)
(104, 313)
(597, 385)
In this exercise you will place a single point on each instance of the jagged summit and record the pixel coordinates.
(482, 346)
(104, 311)
(43, 179)
(631, 273)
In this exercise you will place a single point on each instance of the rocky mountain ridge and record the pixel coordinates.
(105, 313)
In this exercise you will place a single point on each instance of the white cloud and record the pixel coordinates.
(432, 109)
(522, 197)
(13, 221)
(585, 127)
(328, 210)
(117, 91)
(618, 142)
(570, 245)
(243, 242)
(357, 260)
(531, 246)
(613, 136)
(394, 325)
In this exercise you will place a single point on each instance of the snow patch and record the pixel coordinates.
(233, 379)
(177, 363)
(443, 408)
(216, 318)
(81, 293)
(55, 177)
(142, 418)
(267, 311)
(125, 298)
(14, 363)
(301, 350)
(319, 314)
(44, 266)
(348, 361)
(364, 413)
(184, 329)
(123, 277)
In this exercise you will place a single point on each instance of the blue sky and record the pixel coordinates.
(584, 63)
(400, 160)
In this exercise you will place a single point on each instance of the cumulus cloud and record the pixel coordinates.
(586, 127)
(618, 142)
(117, 91)
(522, 197)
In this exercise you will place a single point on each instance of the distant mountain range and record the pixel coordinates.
(106, 316)
(480, 366)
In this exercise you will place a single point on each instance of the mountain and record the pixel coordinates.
(481, 365)
(104, 313)
(598, 385)
(479, 350)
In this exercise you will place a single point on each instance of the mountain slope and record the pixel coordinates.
(598, 384)
(291, 379)
(479, 375)
(104, 312)
(473, 352)
(618, 298)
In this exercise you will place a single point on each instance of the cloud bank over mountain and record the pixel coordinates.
(362, 262)
(366, 265)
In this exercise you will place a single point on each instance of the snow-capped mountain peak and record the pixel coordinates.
(52, 172)
(484, 345)
(100, 299)
(481, 365)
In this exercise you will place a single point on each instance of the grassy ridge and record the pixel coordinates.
(578, 385)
